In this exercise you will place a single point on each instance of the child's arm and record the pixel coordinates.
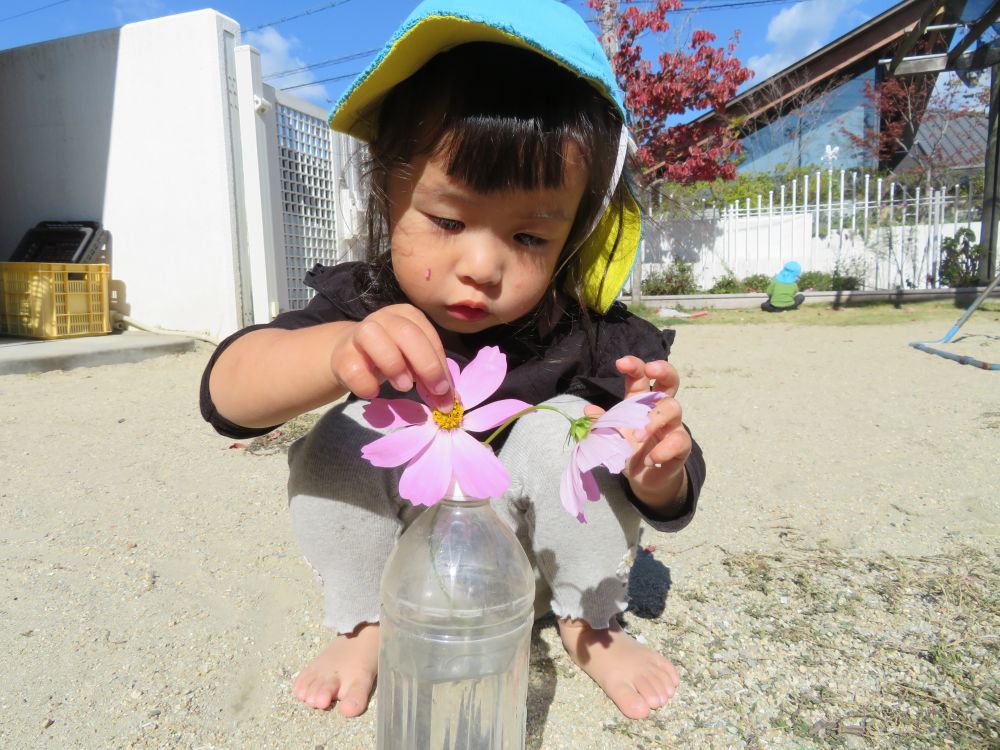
(272, 374)
(656, 470)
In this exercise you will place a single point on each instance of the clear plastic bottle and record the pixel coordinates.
(455, 630)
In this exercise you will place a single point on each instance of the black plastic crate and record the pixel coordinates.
(64, 242)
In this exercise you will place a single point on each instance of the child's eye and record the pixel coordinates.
(528, 240)
(449, 225)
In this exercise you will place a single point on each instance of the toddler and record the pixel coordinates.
(499, 214)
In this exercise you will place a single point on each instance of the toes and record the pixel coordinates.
(633, 705)
(320, 695)
(303, 681)
(652, 691)
(670, 672)
(354, 699)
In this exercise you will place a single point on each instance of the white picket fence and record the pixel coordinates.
(887, 235)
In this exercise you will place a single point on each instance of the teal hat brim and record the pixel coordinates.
(546, 27)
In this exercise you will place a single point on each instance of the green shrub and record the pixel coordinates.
(757, 282)
(677, 278)
(840, 283)
(821, 282)
(960, 259)
(727, 284)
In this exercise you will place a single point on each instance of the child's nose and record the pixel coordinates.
(481, 260)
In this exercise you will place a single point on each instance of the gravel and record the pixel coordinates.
(838, 588)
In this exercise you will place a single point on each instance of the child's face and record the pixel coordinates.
(472, 260)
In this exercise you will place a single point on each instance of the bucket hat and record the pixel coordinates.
(554, 31)
(790, 273)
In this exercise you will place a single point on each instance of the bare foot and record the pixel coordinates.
(344, 673)
(636, 678)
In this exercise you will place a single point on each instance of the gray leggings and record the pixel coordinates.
(347, 517)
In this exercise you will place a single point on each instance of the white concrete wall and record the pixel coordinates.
(56, 101)
(134, 127)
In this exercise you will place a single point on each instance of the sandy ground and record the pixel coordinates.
(153, 594)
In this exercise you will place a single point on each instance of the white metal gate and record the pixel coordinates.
(304, 190)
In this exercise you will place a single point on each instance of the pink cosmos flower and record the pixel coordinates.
(604, 446)
(436, 447)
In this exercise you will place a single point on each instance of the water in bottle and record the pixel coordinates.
(455, 629)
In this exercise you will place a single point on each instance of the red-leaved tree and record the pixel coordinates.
(699, 77)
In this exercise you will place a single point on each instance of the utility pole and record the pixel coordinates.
(608, 18)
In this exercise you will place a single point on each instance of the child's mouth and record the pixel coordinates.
(467, 312)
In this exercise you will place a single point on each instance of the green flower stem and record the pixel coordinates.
(520, 414)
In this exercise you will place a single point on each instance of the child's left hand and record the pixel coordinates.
(656, 470)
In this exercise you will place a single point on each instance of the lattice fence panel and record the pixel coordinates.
(308, 198)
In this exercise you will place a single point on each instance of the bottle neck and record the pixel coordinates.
(465, 503)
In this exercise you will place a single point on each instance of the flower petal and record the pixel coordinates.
(493, 414)
(590, 488)
(604, 448)
(454, 370)
(396, 448)
(478, 472)
(426, 479)
(389, 413)
(482, 376)
(571, 492)
(632, 413)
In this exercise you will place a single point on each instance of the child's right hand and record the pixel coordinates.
(397, 344)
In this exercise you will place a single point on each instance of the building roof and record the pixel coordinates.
(858, 50)
(953, 140)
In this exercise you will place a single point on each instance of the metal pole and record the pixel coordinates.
(991, 193)
(781, 224)
(770, 219)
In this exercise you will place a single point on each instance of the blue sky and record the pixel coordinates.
(773, 33)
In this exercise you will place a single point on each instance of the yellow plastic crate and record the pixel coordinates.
(54, 300)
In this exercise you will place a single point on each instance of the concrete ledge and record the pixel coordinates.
(28, 355)
(963, 297)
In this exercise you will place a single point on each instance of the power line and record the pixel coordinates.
(313, 66)
(304, 13)
(322, 80)
(33, 10)
(694, 8)
(741, 4)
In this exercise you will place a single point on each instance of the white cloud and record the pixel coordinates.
(277, 55)
(801, 29)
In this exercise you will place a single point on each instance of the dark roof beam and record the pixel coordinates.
(913, 37)
(977, 30)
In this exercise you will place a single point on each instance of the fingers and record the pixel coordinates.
(640, 376)
(398, 346)
(664, 441)
(663, 377)
(634, 370)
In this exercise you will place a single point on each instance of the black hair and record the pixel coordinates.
(502, 116)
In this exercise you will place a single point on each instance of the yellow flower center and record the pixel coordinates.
(450, 421)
